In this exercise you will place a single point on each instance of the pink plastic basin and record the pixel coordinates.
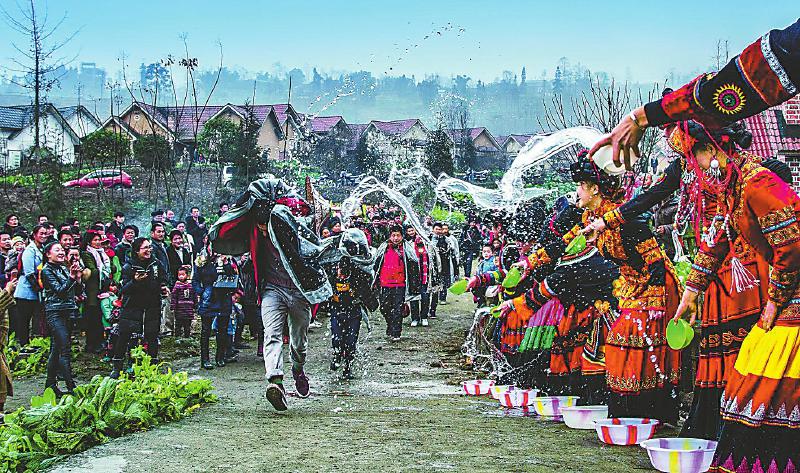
(497, 390)
(518, 397)
(550, 406)
(680, 455)
(477, 387)
(625, 430)
(583, 417)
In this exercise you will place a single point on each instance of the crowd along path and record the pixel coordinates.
(402, 413)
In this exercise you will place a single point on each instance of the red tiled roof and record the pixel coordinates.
(395, 127)
(355, 130)
(521, 139)
(182, 119)
(324, 124)
(455, 135)
(771, 134)
(281, 111)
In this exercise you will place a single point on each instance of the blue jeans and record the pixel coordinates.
(420, 308)
(58, 322)
(468, 257)
(345, 326)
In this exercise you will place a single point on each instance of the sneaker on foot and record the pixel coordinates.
(395, 339)
(276, 396)
(315, 324)
(414, 323)
(424, 322)
(301, 385)
(347, 373)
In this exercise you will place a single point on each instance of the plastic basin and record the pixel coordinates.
(497, 390)
(583, 417)
(459, 287)
(577, 245)
(679, 334)
(625, 430)
(680, 455)
(477, 387)
(550, 406)
(513, 277)
(517, 397)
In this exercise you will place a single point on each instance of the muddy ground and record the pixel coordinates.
(402, 413)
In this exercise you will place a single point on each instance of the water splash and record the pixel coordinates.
(511, 191)
(351, 206)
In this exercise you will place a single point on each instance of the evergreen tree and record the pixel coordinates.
(438, 153)
(366, 158)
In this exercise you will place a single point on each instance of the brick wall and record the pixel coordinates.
(791, 111)
(793, 161)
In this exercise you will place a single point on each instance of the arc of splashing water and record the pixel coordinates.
(371, 185)
(510, 189)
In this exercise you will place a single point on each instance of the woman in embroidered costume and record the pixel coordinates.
(641, 371)
(578, 289)
(745, 201)
(728, 312)
(507, 332)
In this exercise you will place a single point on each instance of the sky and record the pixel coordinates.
(639, 40)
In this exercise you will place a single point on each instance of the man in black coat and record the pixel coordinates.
(177, 255)
(196, 227)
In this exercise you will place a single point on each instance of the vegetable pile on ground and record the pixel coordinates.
(37, 437)
(29, 360)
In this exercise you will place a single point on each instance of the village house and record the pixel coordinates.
(513, 144)
(476, 148)
(400, 141)
(279, 133)
(60, 130)
(776, 134)
(330, 133)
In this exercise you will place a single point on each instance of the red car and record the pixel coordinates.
(103, 177)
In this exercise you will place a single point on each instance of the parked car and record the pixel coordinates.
(227, 174)
(102, 177)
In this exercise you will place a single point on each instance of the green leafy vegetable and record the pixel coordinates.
(35, 438)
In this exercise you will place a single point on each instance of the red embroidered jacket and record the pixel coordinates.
(765, 74)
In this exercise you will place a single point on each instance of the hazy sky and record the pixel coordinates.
(639, 39)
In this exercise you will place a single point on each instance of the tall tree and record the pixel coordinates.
(39, 61)
(438, 153)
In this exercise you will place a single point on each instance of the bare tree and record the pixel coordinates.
(601, 107)
(722, 54)
(39, 59)
(188, 104)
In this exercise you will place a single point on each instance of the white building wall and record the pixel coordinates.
(82, 124)
(52, 135)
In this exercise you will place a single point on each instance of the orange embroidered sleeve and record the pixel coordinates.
(776, 206)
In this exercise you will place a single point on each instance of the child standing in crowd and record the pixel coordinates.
(485, 265)
(397, 273)
(183, 301)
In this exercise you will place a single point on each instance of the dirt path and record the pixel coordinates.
(403, 413)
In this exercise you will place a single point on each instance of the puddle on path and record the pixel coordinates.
(109, 464)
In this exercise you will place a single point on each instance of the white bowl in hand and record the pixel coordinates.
(604, 159)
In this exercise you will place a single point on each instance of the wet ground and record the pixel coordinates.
(403, 413)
